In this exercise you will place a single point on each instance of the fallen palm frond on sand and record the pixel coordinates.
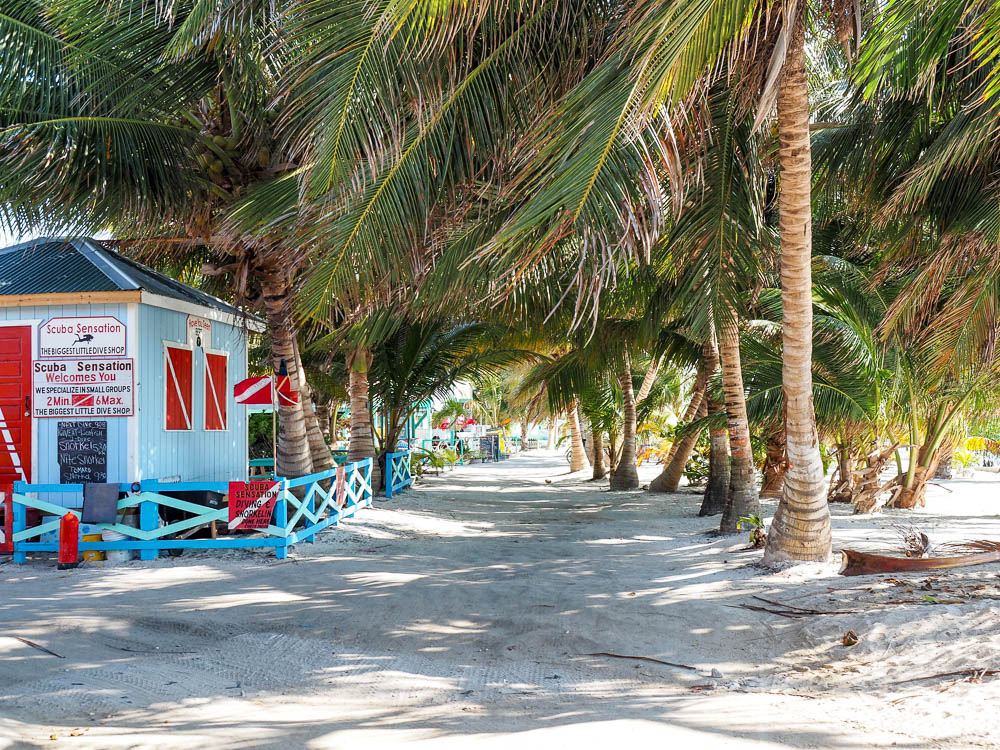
(787, 610)
(855, 563)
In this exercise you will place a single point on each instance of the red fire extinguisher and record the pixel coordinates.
(69, 542)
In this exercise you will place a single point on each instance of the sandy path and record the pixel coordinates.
(462, 614)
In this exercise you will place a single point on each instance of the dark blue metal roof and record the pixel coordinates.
(50, 267)
(53, 266)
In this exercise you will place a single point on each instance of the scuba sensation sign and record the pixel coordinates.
(251, 504)
(83, 387)
(94, 337)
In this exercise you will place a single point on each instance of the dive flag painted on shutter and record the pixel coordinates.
(215, 391)
(178, 376)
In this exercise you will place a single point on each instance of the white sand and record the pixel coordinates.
(462, 614)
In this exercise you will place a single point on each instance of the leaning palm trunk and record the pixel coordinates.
(361, 444)
(717, 488)
(597, 454)
(742, 499)
(292, 455)
(670, 478)
(322, 458)
(578, 456)
(649, 379)
(914, 489)
(801, 526)
(936, 445)
(626, 475)
(945, 470)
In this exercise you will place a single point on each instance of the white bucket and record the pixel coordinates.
(115, 555)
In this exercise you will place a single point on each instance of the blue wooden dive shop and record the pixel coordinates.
(111, 372)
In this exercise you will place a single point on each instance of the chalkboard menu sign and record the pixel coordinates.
(83, 452)
(489, 446)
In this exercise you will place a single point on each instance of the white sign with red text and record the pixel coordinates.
(83, 388)
(199, 332)
(102, 336)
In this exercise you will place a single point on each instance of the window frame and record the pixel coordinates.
(225, 390)
(170, 379)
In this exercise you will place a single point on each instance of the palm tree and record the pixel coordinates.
(153, 129)
(422, 360)
(719, 240)
(588, 176)
(716, 496)
(742, 496)
(361, 444)
(673, 469)
(801, 526)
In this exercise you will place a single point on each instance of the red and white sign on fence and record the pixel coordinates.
(340, 487)
(251, 504)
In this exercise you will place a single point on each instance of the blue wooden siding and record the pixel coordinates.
(195, 455)
(46, 467)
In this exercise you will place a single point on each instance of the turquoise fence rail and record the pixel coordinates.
(398, 472)
(293, 520)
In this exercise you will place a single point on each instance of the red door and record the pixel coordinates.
(15, 407)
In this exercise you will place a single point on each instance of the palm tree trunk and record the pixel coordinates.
(924, 467)
(846, 485)
(649, 379)
(717, 488)
(742, 500)
(361, 444)
(322, 458)
(670, 478)
(551, 443)
(293, 458)
(945, 470)
(774, 464)
(612, 452)
(323, 417)
(578, 457)
(801, 526)
(597, 454)
(626, 474)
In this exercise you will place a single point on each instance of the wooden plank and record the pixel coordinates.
(70, 298)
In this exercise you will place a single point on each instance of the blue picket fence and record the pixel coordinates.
(397, 469)
(294, 520)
